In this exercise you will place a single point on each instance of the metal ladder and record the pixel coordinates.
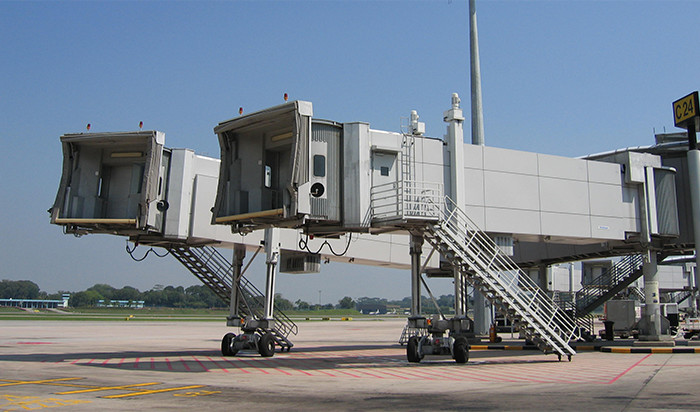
(608, 284)
(215, 271)
(502, 282)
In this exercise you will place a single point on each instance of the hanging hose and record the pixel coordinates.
(304, 245)
(150, 250)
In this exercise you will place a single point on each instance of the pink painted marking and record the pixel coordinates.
(167, 362)
(629, 369)
(255, 367)
(35, 343)
(237, 367)
(200, 364)
(136, 363)
(185, 364)
(219, 366)
(153, 364)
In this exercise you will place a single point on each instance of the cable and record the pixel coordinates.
(131, 252)
(304, 245)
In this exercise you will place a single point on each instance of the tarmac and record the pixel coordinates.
(355, 365)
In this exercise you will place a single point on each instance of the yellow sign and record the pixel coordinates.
(685, 109)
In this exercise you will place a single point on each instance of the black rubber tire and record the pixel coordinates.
(412, 353)
(460, 351)
(266, 345)
(226, 344)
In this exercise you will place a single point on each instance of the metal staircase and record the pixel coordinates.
(503, 283)
(608, 284)
(212, 268)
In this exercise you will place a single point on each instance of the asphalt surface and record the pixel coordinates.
(354, 365)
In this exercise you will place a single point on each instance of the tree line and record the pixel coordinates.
(198, 296)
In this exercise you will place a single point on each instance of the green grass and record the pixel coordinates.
(165, 314)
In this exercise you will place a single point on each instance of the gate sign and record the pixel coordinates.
(685, 109)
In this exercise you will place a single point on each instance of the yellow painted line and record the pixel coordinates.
(478, 347)
(126, 395)
(12, 382)
(620, 350)
(107, 388)
(514, 348)
(662, 350)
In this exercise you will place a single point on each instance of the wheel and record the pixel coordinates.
(266, 345)
(226, 344)
(412, 352)
(569, 358)
(460, 350)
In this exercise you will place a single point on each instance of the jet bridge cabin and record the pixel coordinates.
(111, 183)
(279, 166)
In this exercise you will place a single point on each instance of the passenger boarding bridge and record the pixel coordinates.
(306, 190)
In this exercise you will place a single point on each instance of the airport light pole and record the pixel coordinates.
(686, 114)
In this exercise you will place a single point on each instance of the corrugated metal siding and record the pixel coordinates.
(666, 207)
(328, 208)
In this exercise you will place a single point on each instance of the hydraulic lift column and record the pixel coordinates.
(238, 256)
(416, 247)
(272, 250)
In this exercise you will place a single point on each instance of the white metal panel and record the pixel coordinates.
(562, 167)
(474, 187)
(388, 141)
(606, 227)
(512, 161)
(511, 190)
(512, 221)
(565, 224)
(473, 156)
(179, 196)
(601, 172)
(477, 214)
(356, 174)
(204, 194)
(564, 196)
(609, 200)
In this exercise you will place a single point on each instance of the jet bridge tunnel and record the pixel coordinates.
(279, 166)
(111, 182)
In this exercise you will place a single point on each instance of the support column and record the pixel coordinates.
(543, 278)
(651, 320)
(483, 313)
(694, 182)
(238, 256)
(461, 295)
(416, 247)
(272, 249)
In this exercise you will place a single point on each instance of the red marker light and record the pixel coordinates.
(240, 110)
(140, 125)
(286, 97)
(88, 127)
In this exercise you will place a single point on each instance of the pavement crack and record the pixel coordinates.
(645, 383)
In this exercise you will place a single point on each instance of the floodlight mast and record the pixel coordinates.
(475, 66)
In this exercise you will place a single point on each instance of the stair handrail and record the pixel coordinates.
(616, 274)
(518, 284)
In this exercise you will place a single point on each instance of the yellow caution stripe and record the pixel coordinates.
(613, 349)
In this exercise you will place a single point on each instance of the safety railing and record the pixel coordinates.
(502, 277)
(406, 200)
(608, 283)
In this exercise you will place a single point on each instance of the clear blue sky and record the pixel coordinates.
(559, 77)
